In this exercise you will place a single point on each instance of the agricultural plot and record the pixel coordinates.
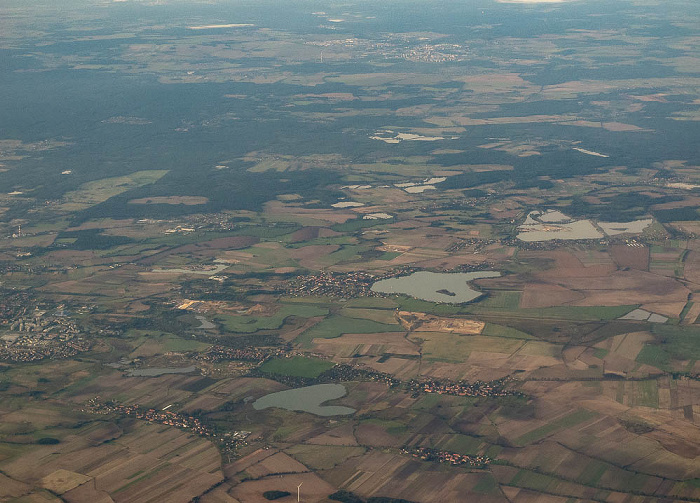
(137, 466)
(297, 366)
(384, 316)
(324, 457)
(253, 323)
(93, 193)
(486, 354)
(372, 344)
(335, 326)
(193, 221)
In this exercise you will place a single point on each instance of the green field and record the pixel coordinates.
(532, 480)
(297, 366)
(145, 342)
(372, 302)
(423, 306)
(486, 485)
(463, 444)
(493, 330)
(392, 427)
(456, 348)
(647, 394)
(579, 416)
(579, 313)
(385, 316)
(92, 193)
(324, 457)
(497, 300)
(673, 342)
(343, 254)
(335, 326)
(593, 472)
(249, 324)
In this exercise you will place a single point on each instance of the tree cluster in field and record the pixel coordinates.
(349, 497)
(332, 375)
(275, 495)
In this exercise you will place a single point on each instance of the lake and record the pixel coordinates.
(307, 399)
(446, 287)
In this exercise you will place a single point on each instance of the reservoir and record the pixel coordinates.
(451, 288)
(307, 399)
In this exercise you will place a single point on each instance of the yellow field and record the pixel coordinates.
(92, 193)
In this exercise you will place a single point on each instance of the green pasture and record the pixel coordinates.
(335, 326)
(298, 366)
(248, 324)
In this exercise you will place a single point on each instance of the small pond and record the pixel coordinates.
(307, 399)
(452, 288)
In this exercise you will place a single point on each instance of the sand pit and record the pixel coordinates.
(422, 322)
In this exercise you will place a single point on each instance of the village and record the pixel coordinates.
(342, 285)
(252, 354)
(462, 388)
(228, 441)
(452, 458)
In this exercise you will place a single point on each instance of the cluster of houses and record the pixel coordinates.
(354, 284)
(452, 458)
(463, 388)
(228, 441)
(37, 336)
(342, 285)
(252, 354)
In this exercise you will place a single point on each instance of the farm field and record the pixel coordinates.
(365, 252)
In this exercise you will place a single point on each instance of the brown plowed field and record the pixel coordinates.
(308, 255)
(342, 435)
(229, 243)
(323, 215)
(626, 287)
(691, 271)
(537, 295)
(313, 488)
(304, 234)
(635, 257)
(672, 309)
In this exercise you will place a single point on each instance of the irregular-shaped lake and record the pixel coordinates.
(452, 288)
(307, 399)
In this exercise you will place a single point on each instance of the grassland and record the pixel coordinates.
(673, 346)
(335, 326)
(92, 193)
(324, 457)
(240, 140)
(567, 421)
(249, 324)
(297, 366)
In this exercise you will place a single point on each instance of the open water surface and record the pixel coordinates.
(307, 399)
(452, 288)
